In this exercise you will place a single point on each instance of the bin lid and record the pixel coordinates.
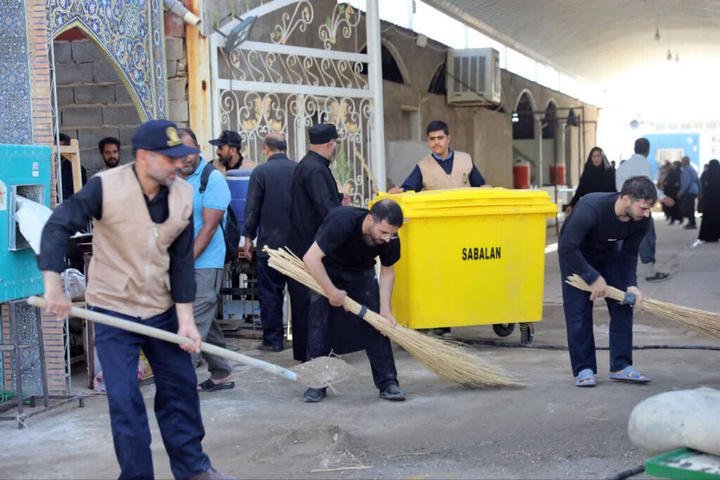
(473, 201)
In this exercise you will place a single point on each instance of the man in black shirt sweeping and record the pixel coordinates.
(600, 241)
(342, 261)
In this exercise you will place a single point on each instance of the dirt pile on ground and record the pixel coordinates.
(314, 446)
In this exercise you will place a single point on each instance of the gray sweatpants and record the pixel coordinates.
(206, 299)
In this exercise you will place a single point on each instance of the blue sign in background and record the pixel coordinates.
(689, 142)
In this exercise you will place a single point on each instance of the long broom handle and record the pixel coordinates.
(98, 317)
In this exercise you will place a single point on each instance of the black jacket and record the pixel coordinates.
(593, 180)
(314, 194)
(267, 207)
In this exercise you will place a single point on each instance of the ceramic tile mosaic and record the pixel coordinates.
(130, 32)
(30, 367)
(15, 106)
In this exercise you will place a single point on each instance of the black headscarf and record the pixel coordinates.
(713, 174)
(595, 179)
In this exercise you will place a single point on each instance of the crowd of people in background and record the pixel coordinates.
(679, 180)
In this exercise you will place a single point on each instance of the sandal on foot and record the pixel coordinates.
(586, 378)
(629, 374)
(210, 386)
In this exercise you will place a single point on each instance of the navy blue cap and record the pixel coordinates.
(161, 136)
(228, 137)
(322, 133)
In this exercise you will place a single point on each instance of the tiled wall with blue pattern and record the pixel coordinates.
(15, 97)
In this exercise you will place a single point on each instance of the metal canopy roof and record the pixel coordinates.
(600, 39)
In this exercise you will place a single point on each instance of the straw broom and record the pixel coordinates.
(446, 359)
(701, 321)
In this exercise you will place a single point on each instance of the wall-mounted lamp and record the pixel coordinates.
(669, 56)
(238, 34)
(515, 117)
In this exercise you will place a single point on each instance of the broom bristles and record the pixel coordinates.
(700, 321)
(448, 360)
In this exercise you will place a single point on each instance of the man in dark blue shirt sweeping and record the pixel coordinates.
(600, 241)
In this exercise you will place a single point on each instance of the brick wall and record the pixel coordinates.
(94, 102)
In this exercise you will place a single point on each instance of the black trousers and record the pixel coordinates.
(332, 329)
(177, 405)
(579, 319)
(299, 305)
(688, 207)
(271, 293)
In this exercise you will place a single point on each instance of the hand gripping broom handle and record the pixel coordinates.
(98, 317)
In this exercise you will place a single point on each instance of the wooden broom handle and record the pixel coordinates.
(135, 327)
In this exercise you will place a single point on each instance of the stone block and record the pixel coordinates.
(181, 68)
(95, 94)
(73, 73)
(65, 96)
(104, 72)
(120, 116)
(176, 88)
(70, 132)
(121, 94)
(174, 48)
(85, 51)
(91, 160)
(125, 137)
(174, 26)
(179, 111)
(89, 137)
(171, 68)
(81, 117)
(63, 52)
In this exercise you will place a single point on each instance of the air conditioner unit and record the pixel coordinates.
(473, 76)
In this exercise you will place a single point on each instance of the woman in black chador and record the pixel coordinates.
(597, 176)
(710, 226)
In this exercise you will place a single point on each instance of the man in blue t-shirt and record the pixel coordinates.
(209, 208)
(600, 241)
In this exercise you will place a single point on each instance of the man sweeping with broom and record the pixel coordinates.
(342, 261)
(599, 241)
(141, 271)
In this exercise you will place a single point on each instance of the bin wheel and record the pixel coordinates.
(503, 329)
(527, 333)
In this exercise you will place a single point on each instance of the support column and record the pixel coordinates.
(199, 84)
(541, 167)
(377, 135)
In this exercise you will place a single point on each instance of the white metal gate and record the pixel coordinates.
(263, 87)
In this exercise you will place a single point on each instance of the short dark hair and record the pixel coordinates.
(437, 125)
(276, 144)
(187, 132)
(387, 210)
(105, 141)
(64, 139)
(639, 188)
(642, 146)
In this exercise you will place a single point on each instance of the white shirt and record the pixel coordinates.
(635, 166)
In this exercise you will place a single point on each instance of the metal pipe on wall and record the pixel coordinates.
(377, 137)
(174, 6)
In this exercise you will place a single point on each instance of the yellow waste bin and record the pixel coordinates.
(473, 256)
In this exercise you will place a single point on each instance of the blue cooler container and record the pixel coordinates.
(238, 181)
